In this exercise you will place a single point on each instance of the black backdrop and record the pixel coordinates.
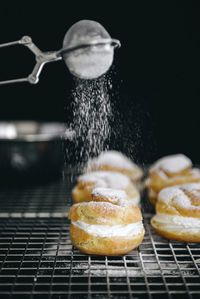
(156, 72)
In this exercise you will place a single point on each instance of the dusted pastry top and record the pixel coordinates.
(183, 200)
(114, 159)
(117, 162)
(104, 213)
(172, 164)
(118, 197)
(110, 193)
(183, 195)
(105, 179)
(160, 178)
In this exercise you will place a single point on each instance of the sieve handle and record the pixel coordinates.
(41, 59)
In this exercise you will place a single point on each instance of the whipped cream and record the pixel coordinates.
(178, 221)
(128, 230)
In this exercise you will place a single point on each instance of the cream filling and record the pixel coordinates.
(178, 222)
(110, 231)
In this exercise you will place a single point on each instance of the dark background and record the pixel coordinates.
(156, 74)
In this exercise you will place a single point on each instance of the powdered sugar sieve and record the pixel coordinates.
(87, 50)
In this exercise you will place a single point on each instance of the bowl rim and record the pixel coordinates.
(62, 133)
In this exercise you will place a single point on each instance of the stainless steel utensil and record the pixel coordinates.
(31, 151)
(86, 46)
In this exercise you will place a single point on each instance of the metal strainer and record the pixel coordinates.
(87, 51)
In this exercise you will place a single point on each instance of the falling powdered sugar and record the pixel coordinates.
(91, 118)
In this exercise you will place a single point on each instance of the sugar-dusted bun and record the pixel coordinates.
(103, 179)
(104, 228)
(158, 180)
(178, 213)
(117, 162)
(172, 165)
(170, 171)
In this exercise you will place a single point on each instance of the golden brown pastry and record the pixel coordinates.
(117, 162)
(170, 171)
(105, 228)
(178, 213)
(114, 196)
(104, 179)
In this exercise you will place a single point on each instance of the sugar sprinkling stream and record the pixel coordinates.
(92, 113)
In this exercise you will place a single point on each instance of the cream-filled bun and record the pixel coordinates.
(117, 162)
(104, 228)
(178, 213)
(170, 171)
(104, 179)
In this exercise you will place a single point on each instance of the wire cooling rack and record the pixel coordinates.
(37, 259)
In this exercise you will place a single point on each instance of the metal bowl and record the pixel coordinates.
(31, 151)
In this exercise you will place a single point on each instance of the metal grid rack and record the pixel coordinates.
(46, 200)
(37, 259)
